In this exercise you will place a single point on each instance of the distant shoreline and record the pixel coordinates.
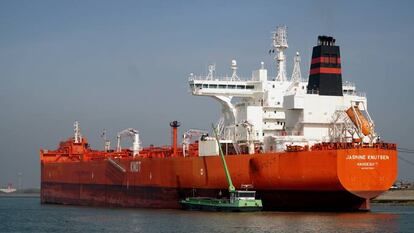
(19, 195)
(400, 197)
(29, 192)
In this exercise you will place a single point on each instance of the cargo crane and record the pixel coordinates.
(188, 135)
(133, 133)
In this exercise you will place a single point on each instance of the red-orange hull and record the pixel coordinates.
(340, 179)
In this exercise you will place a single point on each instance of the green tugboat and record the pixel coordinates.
(239, 201)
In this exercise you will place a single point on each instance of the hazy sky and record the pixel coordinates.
(119, 64)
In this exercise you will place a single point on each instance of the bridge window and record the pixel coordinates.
(231, 86)
(241, 87)
(198, 85)
(222, 86)
(249, 87)
(205, 85)
(213, 85)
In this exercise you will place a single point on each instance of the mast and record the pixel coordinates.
(226, 170)
(296, 74)
(280, 45)
(78, 135)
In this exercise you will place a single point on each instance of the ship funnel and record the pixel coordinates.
(325, 77)
(174, 126)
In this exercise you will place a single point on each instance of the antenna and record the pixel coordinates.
(211, 71)
(78, 136)
(279, 42)
(234, 68)
(296, 74)
(107, 143)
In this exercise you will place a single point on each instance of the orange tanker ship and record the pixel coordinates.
(331, 163)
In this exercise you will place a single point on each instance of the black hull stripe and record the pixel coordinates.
(160, 197)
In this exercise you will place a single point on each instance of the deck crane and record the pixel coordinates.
(188, 135)
(133, 133)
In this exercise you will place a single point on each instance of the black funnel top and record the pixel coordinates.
(325, 76)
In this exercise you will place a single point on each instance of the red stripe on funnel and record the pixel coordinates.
(324, 70)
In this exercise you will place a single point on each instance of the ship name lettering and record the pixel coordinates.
(378, 157)
(367, 157)
(353, 157)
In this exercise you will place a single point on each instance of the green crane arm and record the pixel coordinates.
(226, 170)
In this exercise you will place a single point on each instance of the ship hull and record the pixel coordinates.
(333, 180)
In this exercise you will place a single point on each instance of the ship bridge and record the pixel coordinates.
(233, 86)
(237, 88)
(273, 112)
(224, 90)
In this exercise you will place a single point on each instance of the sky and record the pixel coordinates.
(120, 64)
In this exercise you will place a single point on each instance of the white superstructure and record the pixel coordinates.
(272, 112)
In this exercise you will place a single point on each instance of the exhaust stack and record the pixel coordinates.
(174, 126)
(325, 76)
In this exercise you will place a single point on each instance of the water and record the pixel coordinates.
(28, 215)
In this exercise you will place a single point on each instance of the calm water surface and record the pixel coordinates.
(28, 215)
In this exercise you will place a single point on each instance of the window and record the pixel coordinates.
(222, 86)
(246, 194)
(241, 87)
(250, 87)
(205, 85)
(198, 85)
(231, 86)
(213, 85)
